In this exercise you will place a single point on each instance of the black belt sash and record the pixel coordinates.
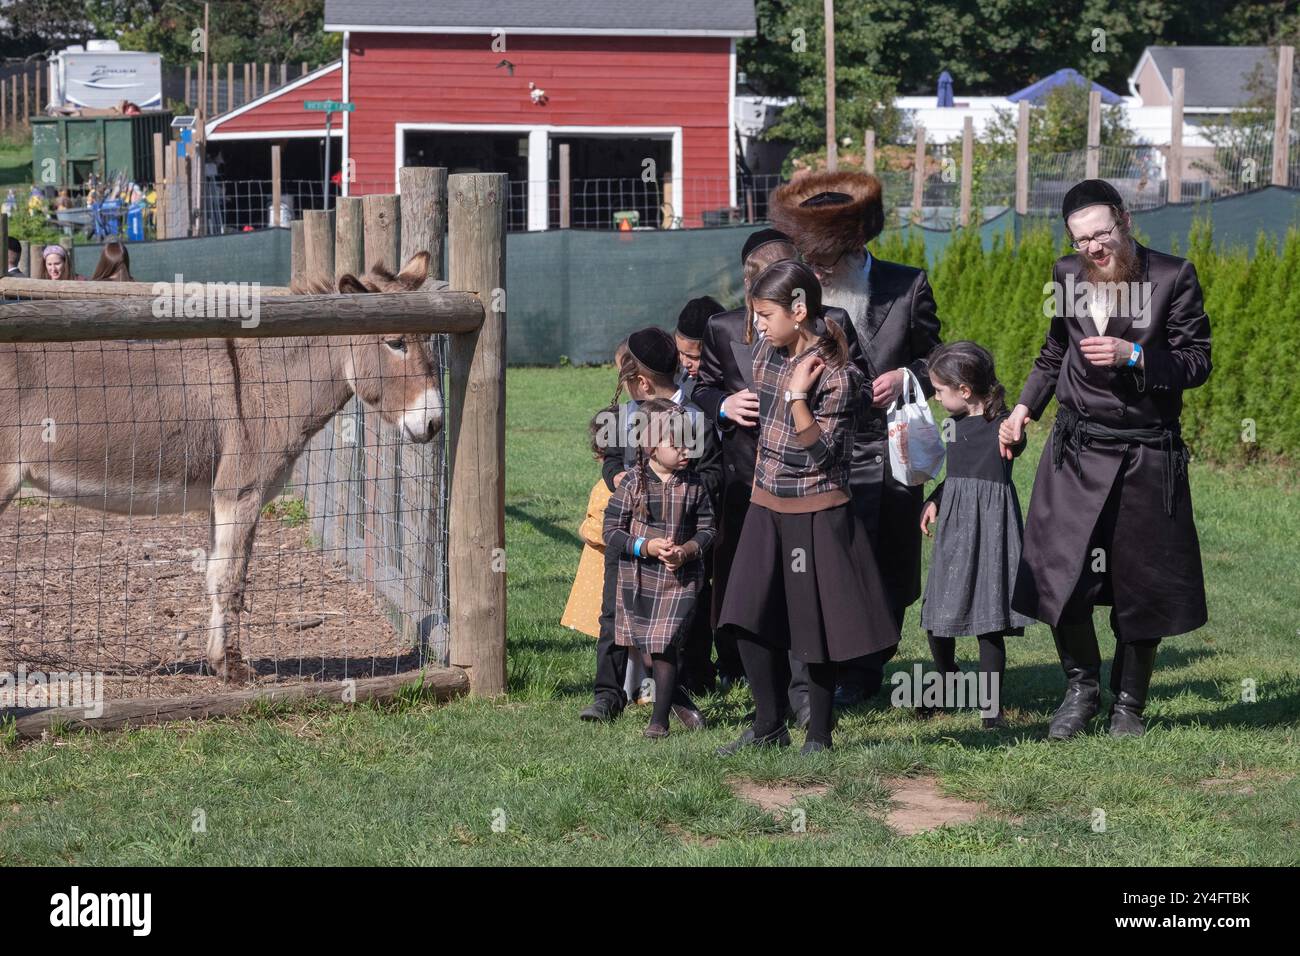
(1075, 432)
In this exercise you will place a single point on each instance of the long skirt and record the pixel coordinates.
(809, 583)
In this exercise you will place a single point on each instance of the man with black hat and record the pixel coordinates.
(13, 254)
(649, 371)
(725, 393)
(1110, 518)
(832, 217)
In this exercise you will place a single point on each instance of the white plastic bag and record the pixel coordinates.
(915, 447)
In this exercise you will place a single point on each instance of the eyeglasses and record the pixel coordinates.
(1097, 237)
(824, 268)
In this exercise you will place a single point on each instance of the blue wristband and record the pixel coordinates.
(1134, 355)
(636, 548)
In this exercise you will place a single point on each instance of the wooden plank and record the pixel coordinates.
(382, 214)
(1282, 115)
(32, 289)
(477, 262)
(73, 320)
(297, 250)
(439, 683)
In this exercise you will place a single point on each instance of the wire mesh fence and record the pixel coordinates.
(141, 535)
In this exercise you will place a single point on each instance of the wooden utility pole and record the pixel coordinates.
(832, 159)
(1022, 159)
(967, 167)
(1282, 115)
(869, 152)
(1174, 177)
(1093, 161)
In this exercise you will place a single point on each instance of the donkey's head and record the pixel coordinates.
(396, 374)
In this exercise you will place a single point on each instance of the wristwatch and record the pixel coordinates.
(794, 396)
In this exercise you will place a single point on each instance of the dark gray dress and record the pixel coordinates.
(977, 536)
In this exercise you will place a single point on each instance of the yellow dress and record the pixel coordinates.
(582, 613)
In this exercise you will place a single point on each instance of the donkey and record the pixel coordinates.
(204, 424)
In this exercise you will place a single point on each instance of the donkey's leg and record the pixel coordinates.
(234, 522)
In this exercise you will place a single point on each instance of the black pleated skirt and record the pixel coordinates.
(809, 583)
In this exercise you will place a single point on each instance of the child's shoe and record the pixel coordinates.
(656, 731)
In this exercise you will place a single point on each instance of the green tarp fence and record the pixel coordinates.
(574, 294)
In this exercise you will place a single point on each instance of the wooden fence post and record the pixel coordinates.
(1174, 173)
(318, 229)
(37, 262)
(159, 188)
(1282, 115)
(4, 106)
(230, 86)
(349, 237)
(4, 242)
(188, 101)
(25, 258)
(566, 190)
(1022, 159)
(1093, 161)
(27, 101)
(297, 250)
(918, 176)
(275, 187)
(869, 152)
(382, 213)
(967, 167)
(477, 263)
(424, 214)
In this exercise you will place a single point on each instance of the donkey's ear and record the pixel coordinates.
(415, 271)
(351, 285)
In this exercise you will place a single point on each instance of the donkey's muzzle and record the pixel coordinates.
(423, 420)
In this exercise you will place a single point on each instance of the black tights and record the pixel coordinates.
(993, 656)
(663, 667)
(767, 682)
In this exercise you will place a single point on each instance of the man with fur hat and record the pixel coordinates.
(831, 217)
(1110, 518)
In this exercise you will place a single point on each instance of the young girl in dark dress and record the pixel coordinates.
(660, 523)
(804, 580)
(977, 522)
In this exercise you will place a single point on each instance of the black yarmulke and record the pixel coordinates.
(762, 238)
(827, 199)
(1090, 192)
(695, 315)
(655, 349)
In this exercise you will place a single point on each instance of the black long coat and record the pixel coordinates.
(1105, 537)
(900, 330)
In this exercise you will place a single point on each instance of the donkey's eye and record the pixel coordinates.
(397, 345)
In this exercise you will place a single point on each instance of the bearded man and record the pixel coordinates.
(831, 217)
(1110, 518)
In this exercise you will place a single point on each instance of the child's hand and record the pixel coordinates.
(655, 547)
(806, 373)
(618, 479)
(674, 556)
(928, 516)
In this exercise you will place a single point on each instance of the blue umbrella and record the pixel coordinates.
(945, 89)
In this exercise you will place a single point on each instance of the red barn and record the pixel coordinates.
(642, 94)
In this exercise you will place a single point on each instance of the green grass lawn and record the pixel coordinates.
(15, 163)
(414, 782)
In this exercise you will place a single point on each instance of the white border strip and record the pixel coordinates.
(348, 172)
(276, 134)
(731, 125)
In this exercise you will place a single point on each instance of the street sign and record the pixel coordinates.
(328, 106)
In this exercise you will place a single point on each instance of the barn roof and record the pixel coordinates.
(733, 18)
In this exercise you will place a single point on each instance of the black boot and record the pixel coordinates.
(1076, 645)
(1130, 676)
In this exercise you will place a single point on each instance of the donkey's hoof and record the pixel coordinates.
(234, 671)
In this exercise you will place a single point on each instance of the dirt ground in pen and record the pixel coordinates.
(87, 591)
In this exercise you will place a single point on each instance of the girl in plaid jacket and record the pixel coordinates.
(660, 523)
(805, 581)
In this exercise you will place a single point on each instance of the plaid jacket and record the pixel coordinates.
(656, 605)
(814, 464)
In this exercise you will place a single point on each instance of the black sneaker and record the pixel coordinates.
(813, 747)
(602, 711)
(777, 738)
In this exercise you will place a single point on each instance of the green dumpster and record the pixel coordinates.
(66, 150)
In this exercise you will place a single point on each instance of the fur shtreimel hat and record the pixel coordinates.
(829, 214)
(695, 315)
(655, 349)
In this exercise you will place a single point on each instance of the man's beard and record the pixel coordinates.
(846, 289)
(1123, 266)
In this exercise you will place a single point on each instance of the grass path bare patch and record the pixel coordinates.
(918, 805)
